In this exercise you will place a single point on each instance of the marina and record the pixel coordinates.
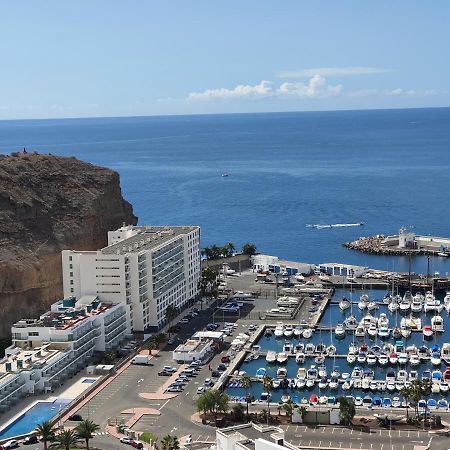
(362, 345)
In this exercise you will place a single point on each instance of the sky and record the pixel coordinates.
(89, 58)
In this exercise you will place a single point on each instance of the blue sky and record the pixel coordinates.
(137, 57)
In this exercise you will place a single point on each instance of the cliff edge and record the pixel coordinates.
(47, 204)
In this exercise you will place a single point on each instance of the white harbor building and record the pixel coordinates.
(146, 268)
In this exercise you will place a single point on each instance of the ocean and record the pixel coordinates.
(386, 168)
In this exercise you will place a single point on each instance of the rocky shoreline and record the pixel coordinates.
(376, 245)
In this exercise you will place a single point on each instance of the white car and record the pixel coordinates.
(200, 389)
(126, 440)
(184, 320)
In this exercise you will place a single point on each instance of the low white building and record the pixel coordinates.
(251, 436)
(45, 352)
(343, 270)
(193, 350)
(145, 268)
(267, 263)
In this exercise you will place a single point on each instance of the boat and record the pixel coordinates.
(431, 404)
(414, 359)
(322, 371)
(427, 331)
(360, 331)
(300, 358)
(376, 400)
(323, 383)
(432, 303)
(279, 330)
(224, 175)
(362, 305)
(289, 302)
(396, 332)
(298, 331)
(339, 331)
(393, 358)
(285, 398)
(323, 400)
(319, 359)
(351, 358)
(383, 320)
(264, 397)
(287, 347)
(358, 401)
(442, 403)
(405, 305)
(356, 373)
(423, 353)
(347, 385)
(261, 372)
(445, 353)
(367, 401)
(331, 401)
(361, 357)
(372, 331)
(312, 373)
(426, 375)
(387, 298)
(393, 306)
(281, 372)
(391, 385)
(371, 359)
(268, 332)
(405, 332)
(310, 349)
(437, 324)
(435, 358)
(387, 402)
(383, 359)
(403, 358)
(416, 304)
(276, 383)
(282, 357)
(288, 330)
(396, 403)
(331, 350)
(313, 400)
(334, 383)
(368, 320)
(344, 304)
(372, 306)
(307, 333)
(350, 323)
(384, 332)
(271, 356)
(443, 254)
(443, 386)
(301, 373)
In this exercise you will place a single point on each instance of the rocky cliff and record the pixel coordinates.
(49, 203)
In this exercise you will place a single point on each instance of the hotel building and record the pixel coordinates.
(145, 268)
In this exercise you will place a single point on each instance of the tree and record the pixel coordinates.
(289, 409)
(170, 442)
(151, 344)
(171, 313)
(109, 357)
(148, 437)
(213, 402)
(346, 410)
(46, 431)
(302, 409)
(249, 249)
(66, 439)
(246, 382)
(238, 412)
(208, 282)
(406, 393)
(267, 383)
(85, 430)
(228, 249)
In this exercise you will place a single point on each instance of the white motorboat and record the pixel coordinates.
(356, 374)
(414, 359)
(415, 323)
(339, 331)
(417, 303)
(427, 331)
(323, 383)
(405, 305)
(443, 386)
(445, 353)
(383, 359)
(367, 320)
(301, 373)
(396, 402)
(310, 349)
(360, 331)
(298, 331)
(300, 358)
(282, 357)
(334, 383)
(322, 372)
(350, 323)
(393, 306)
(312, 373)
(406, 332)
(363, 300)
(289, 302)
(287, 347)
(279, 330)
(351, 358)
(276, 383)
(361, 357)
(371, 359)
(437, 324)
(347, 385)
(344, 304)
(393, 358)
(307, 333)
(387, 298)
(390, 386)
(396, 332)
(403, 358)
(288, 330)
(384, 332)
(281, 372)
(383, 320)
(372, 330)
(402, 375)
(271, 356)
(372, 306)
(300, 384)
(435, 358)
(331, 350)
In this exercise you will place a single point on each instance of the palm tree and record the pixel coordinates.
(302, 411)
(289, 408)
(246, 382)
(46, 431)
(171, 313)
(66, 439)
(228, 249)
(85, 429)
(406, 393)
(249, 249)
(151, 344)
(267, 383)
(170, 442)
(346, 410)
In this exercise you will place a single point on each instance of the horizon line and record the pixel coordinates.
(223, 114)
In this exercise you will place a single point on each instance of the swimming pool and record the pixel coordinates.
(38, 413)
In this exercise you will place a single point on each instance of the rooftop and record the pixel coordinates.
(191, 345)
(247, 434)
(66, 314)
(148, 238)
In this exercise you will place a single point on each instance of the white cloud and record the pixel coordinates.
(316, 87)
(332, 72)
(398, 92)
(242, 91)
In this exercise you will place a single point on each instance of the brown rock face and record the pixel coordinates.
(47, 204)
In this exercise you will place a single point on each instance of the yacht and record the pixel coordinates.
(281, 372)
(356, 374)
(368, 320)
(372, 306)
(372, 331)
(271, 356)
(416, 304)
(445, 353)
(403, 358)
(351, 358)
(307, 333)
(383, 320)
(310, 349)
(323, 383)
(360, 331)
(371, 359)
(300, 358)
(344, 304)
(350, 323)
(437, 324)
(384, 332)
(405, 305)
(290, 302)
(393, 306)
(312, 373)
(282, 357)
(298, 331)
(279, 330)
(334, 383)
(432, 303)
(339, 331)
(288, 330)
(427, 331)
(287, 347)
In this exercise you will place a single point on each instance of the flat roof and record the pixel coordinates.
(209, 334)
(191, 345)
(341, 265)
(148, 238)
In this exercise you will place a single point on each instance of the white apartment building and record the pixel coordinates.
(47, 351)
(145, 268)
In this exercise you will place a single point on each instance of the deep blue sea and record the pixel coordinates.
(386, 168)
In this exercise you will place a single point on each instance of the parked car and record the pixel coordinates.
(10, 444)
(200, 390)
(208, 382)
(137, 444)
(215, 374)
(225, 359)
(30, 440)
(171, 341)
(174, 389)
(184, 320)
(164, 373)
(169, 369)
(76, 417)
(221, 367)
(126, 440)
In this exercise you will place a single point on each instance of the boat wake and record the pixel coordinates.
(334, 225)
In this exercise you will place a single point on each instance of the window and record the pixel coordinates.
(33, 333)
(71, 274)
(71, 290)
(70, 266)
(70, 258)
(71, 281)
